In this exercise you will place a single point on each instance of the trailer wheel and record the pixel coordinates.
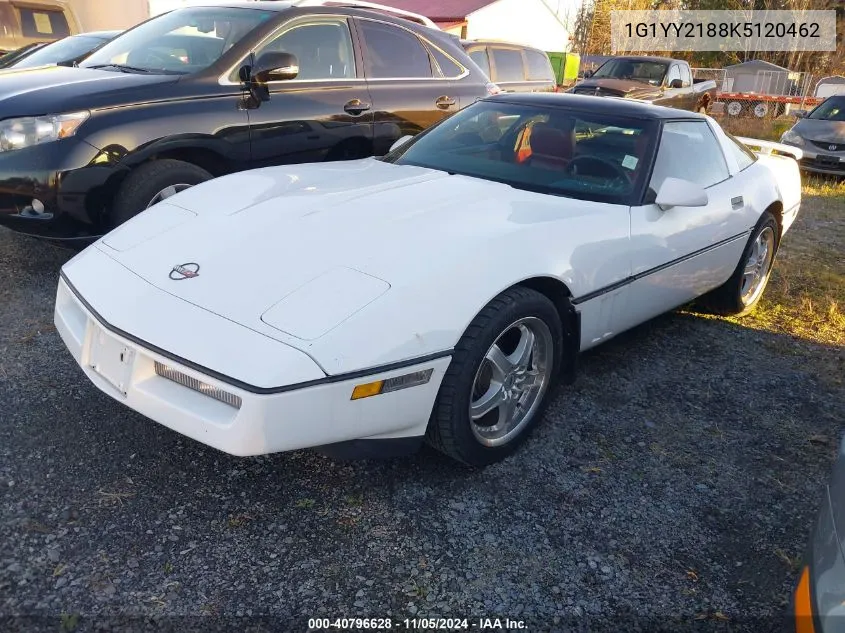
(761, 110)
(734, 108)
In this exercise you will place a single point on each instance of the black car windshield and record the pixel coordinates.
(833, 109)
(552, 150)
(648, 72)
(183, 41)
(64, 50)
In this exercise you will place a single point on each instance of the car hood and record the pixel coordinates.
(56, 89)
(365, 226)
(621, 87)
(819, 130)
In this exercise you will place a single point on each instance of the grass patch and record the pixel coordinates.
(763, 129)
(805, 297)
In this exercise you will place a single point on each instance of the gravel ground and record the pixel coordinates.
(676, 481)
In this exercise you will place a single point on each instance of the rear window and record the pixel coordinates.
(394, 53)
(43, 23)
(744, 156)
(508, 64)
(447, 65)
(479, 56)
(539, 66)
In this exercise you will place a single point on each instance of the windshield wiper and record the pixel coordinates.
(122, 68)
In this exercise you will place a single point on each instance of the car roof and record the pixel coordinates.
(600, 105)
(104, 34)
(265, 5)
(488, 42)
(646, 58)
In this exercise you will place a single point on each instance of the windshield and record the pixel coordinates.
(831, 110)
(648, 72)
(180, 42)
(64, 50)
(556, 151)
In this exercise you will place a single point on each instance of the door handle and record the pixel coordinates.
(445, 102)
(356, 106)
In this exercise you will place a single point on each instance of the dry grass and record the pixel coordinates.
(805, 298)
(763, 129)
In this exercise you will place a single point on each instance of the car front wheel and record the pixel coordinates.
(498, 383)
(152, 183)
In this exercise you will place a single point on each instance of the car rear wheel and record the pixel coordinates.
(152, 183)
(740, 294)
(498, 383)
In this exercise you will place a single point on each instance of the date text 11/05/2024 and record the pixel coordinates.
(416, 624)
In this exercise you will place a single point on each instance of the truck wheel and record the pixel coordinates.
(734, 108)
(761, 110)
(151, 183)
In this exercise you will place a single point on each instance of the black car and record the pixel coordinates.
(64, 52)
(205, 91)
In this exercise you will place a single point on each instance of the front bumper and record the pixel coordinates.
(66, 177)
(313, 414)
(821, 163)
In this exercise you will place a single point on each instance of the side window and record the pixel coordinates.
(41, 23)
(508, 64)
(673, 74)
(744, 156)
(679, 141)
(539, 66)
(686, 76)
(392, 52)
(323, 48)
(479, 56)
(448, 66)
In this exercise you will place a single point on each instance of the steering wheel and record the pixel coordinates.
(150, 56)
(604, 166)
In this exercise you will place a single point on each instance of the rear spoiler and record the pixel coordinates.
(769, 147)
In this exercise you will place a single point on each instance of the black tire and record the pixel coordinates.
(727, 299)
(449, 429)
(147, 180)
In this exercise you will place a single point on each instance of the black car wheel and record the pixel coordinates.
(151, 183)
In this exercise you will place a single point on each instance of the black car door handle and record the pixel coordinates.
(445, 102)
(356, 106)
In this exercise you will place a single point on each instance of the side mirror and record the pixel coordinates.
(588, 74)
(675, 192)
(275, 67)
(676, 83)
(401, 142)
(800, 114)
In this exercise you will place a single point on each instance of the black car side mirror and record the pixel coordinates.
(275, 67)
(676, 83)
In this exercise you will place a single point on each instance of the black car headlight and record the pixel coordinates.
(28, 131)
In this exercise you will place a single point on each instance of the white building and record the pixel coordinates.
(107, 15)
(544, 24)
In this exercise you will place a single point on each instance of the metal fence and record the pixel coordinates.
(758, 93)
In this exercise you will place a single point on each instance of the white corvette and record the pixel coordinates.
(437, 293)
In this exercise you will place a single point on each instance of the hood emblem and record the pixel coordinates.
(832, 148)
(185, 271)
